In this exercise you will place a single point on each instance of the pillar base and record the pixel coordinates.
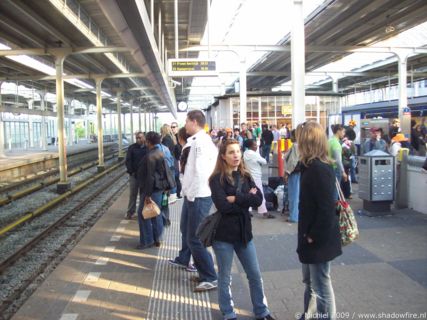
(100, 168)
(63, 187)
(377, 208)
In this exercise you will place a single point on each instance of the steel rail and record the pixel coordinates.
(31, 244)
(49, 181)
(55, 201)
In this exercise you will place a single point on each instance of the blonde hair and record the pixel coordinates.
(312, 143)
(166, 130)
(222, 167)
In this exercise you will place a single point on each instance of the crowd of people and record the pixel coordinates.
(224, 168)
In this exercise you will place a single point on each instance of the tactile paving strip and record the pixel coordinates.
(172, 295)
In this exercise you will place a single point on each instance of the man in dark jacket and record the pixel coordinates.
(134, 155)
(266, 141)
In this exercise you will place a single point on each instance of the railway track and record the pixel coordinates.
(17, 190)
(37, 246)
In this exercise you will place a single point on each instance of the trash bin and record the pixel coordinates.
(376, 181)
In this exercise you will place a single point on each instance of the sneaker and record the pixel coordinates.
(269, 317)
(146, 246)
(128, 216)
(191, 268)
(177, 264)
(267, 215)
(172, 198)
(206, 286)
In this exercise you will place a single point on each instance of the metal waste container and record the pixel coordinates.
(376, 181)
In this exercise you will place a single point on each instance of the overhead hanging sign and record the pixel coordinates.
(192, 68)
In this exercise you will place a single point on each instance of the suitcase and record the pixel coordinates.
(274, 182)
(270, 198)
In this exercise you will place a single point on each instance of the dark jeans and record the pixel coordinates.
(196, 211)
(338, 175)
(150, 230)
(345, 185)
(184, 254)
(133, 194)
(178, 182)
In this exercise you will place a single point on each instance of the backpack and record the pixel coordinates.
(164, 180)
(168, 155)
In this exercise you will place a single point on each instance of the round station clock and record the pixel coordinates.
(182, 106)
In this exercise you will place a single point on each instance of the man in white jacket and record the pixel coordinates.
(197, 194)
(254, 163)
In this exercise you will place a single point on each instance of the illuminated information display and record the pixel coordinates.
(192, 67)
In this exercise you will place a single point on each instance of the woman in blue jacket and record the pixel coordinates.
(233, 192)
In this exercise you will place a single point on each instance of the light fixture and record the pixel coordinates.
(389, 29)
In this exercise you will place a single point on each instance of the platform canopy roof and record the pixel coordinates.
(133, 57)
(133, 63)
(333, 28)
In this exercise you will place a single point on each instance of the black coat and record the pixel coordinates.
(235, 224)
(317, 215)
(134, 156)
(267, 137)
(168, 142)
(151, 164)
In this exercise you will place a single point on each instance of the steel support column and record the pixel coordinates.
(404, 112)
(242, 90)
(298, 64)
(139, 118)
(43, 143)
(70, 126)
(124, 124)
(111, 122)
(1, 136)
(152, 15)
(132, 138)
(119, 124)
(176, 30)
(87, 123)
(63, 184)
(101, 165)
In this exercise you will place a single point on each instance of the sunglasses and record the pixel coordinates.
(173, 127)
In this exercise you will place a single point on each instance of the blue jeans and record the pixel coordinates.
(293, 190)
(224, 253)
(338, 175)
(150, 230)
(319, 295)
(353, 169)
(196, 211)
(184, 254)
(266, 148)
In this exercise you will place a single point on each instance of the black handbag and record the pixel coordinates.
(207, 228)
(165, 178)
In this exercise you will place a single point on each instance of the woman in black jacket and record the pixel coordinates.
(233, 192)
(318, 230)
(152, 167)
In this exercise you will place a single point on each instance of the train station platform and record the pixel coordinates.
(106, 277)
(17, 157)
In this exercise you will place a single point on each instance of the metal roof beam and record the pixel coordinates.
(54, 51)
(75, 76)
(287, 48)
